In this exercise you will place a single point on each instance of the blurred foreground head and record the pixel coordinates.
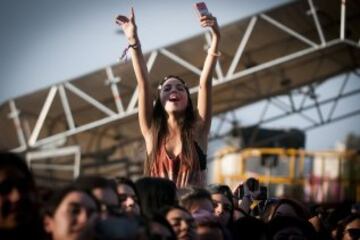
(18, 199)
(71, 214)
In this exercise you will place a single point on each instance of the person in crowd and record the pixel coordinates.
(175, 134)
(199, 203)
(128, 196)
(181, 222)
(210, 230)
(104, 191)
(349, 228)
(289, 227)
(19, 208)
(160, 228)
(121, 227)
(155, 193)
(335, 215)
(71, 214)
(251, 195)
(317, 218)
(222, 198)
(289, 207)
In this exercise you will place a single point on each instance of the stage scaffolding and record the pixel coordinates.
(284, 51)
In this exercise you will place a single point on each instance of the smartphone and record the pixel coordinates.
(201, 9)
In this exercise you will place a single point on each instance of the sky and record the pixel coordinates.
(43, 42)
(46, 41)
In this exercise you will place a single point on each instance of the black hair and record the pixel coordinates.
(89, 183)
(248, 228)
(131, 184)
(343, 223)
(28, 220)
(159, 132)
(192, 194)
(300, 210)
(222, 189)
(128, 182)
(252, 184)
(157, 218)
(155, 193)
(226, 191)
(165, 210)
(283, 222)
(55, 200)
(10, 160)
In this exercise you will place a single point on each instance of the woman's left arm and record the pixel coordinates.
(205, 85)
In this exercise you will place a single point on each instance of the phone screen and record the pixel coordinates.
(201, 9)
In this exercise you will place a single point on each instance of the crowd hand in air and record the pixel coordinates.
(211, 22)
(128, 26)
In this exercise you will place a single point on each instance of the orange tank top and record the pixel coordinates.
(174, 170)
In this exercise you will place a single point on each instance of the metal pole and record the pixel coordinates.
(66, 107)
(180, 61)
(288, 30)
(114, 89)
(241, 47)
(342, 23)
(14, 114)
(44, 111)
(89, 99)
(317, 23)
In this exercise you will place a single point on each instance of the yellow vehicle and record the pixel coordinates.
(326, 176)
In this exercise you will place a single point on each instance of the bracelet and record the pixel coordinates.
(136, 45)
(214, 54)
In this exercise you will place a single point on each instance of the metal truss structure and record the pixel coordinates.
(288, 106)
(270, 54)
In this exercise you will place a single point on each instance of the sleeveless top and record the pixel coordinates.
(172, 169)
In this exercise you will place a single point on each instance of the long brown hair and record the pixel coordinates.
(159, 132)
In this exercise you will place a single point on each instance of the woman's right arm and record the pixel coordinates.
(142, 76)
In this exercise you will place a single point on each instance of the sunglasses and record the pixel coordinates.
(354, 232)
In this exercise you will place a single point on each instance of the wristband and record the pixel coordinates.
(214, 54)
(136, 45)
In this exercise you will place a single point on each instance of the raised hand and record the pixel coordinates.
(211, 22)
(128, 26)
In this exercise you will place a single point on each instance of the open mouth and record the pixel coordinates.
(173, 98)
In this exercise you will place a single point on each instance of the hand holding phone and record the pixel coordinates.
(201, 9)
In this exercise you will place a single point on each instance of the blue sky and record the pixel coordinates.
(43, 42)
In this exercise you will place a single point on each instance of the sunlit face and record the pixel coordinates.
(128, 199)
(73, 219)
(223, 208)
(173, 96)
(182, 223)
